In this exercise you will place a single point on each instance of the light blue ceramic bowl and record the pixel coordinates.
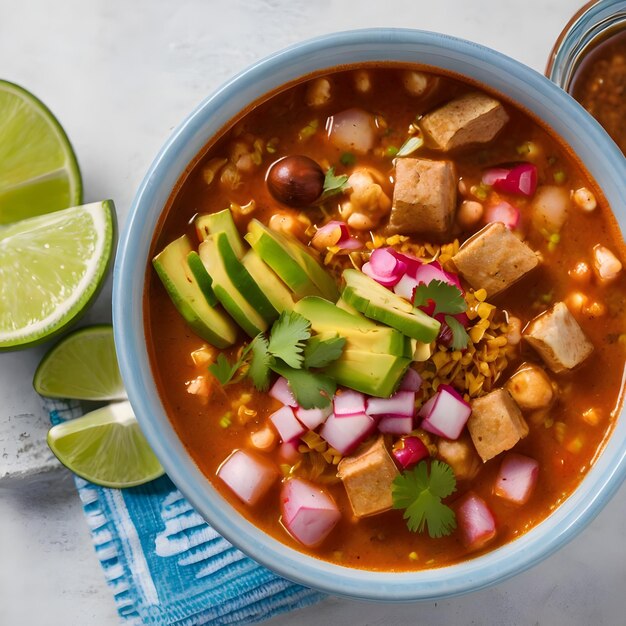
(527, 87)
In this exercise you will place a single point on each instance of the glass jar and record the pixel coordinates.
(589, 62)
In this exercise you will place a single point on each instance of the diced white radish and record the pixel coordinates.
(402, 403)
(475, 521)
(412, 381)
(287, 424)
(348, 402)
(288, 452)
(446, 413)
(353, 130)
(308, 512)
(517, 478)
(248, 475)
(280, 391)
(396, 425)
(346, 433)
(405, 287)
(312, 418)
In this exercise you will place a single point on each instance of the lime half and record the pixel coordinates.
(106, 447)
(50, 268)
(82, 366)
(38, 168)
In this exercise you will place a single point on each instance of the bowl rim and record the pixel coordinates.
(521, 84)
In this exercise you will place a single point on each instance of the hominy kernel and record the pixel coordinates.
(581, 272)
(584, 199)
(591, 416)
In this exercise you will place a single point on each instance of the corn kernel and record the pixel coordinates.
(574, 445)
(413, 556)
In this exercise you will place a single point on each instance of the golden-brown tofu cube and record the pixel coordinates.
(531, 387)
(460, 455)
(367, 477)
(494, 258)
(424, 196)
(496, 423)
(468, 120)
(558, 338)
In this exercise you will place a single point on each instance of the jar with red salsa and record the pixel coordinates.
(589, 62)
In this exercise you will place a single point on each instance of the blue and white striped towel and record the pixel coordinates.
(165, 565)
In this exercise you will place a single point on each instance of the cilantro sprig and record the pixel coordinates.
(421, 495)
(447, 300)
(333, 185)
(289, 351)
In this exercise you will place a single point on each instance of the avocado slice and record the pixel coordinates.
(172, 267)
(373, 374)
(220, 222)
(202, 277)
(252, 311)
(293, 263)
(274, 288)
(378, 303)
(360, 333)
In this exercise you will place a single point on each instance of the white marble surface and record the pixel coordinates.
(120, 74)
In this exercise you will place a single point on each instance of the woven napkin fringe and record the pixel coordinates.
(165, 565)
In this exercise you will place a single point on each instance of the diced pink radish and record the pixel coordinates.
(519, 180)
(446, 413)
(287, 424)
(348, 402)
(475, 521)
(411, 262)
(312, 418)
(248, 475)
(308, 512)
(405, 287)
(402, 404)
(433, 271)
(346, 433)
(410, 452)
(288, 452)
(384, 267)
(503, 212)
(280, 391)
(395, 425)
(352, 130)
(517, 478)
(412, 381)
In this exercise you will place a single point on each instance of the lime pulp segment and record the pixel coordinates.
(50, 268)
(39, 172)
(82, 366)
(106, 447)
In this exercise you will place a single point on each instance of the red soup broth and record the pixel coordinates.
(564, 438)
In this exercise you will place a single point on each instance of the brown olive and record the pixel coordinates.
(296, 181)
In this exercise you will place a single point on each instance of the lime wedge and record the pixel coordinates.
(51, 266)
(82, 366)
(38, 172)
(106, 447)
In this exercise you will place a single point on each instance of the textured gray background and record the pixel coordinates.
(120, 74)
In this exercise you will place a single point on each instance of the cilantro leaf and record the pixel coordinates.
(333, 185)
(288, 336)
(311, 391)
(321, 352)
(224, 371)
(460, 338)
(259, 370)
(447, 298)
(420, 494)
